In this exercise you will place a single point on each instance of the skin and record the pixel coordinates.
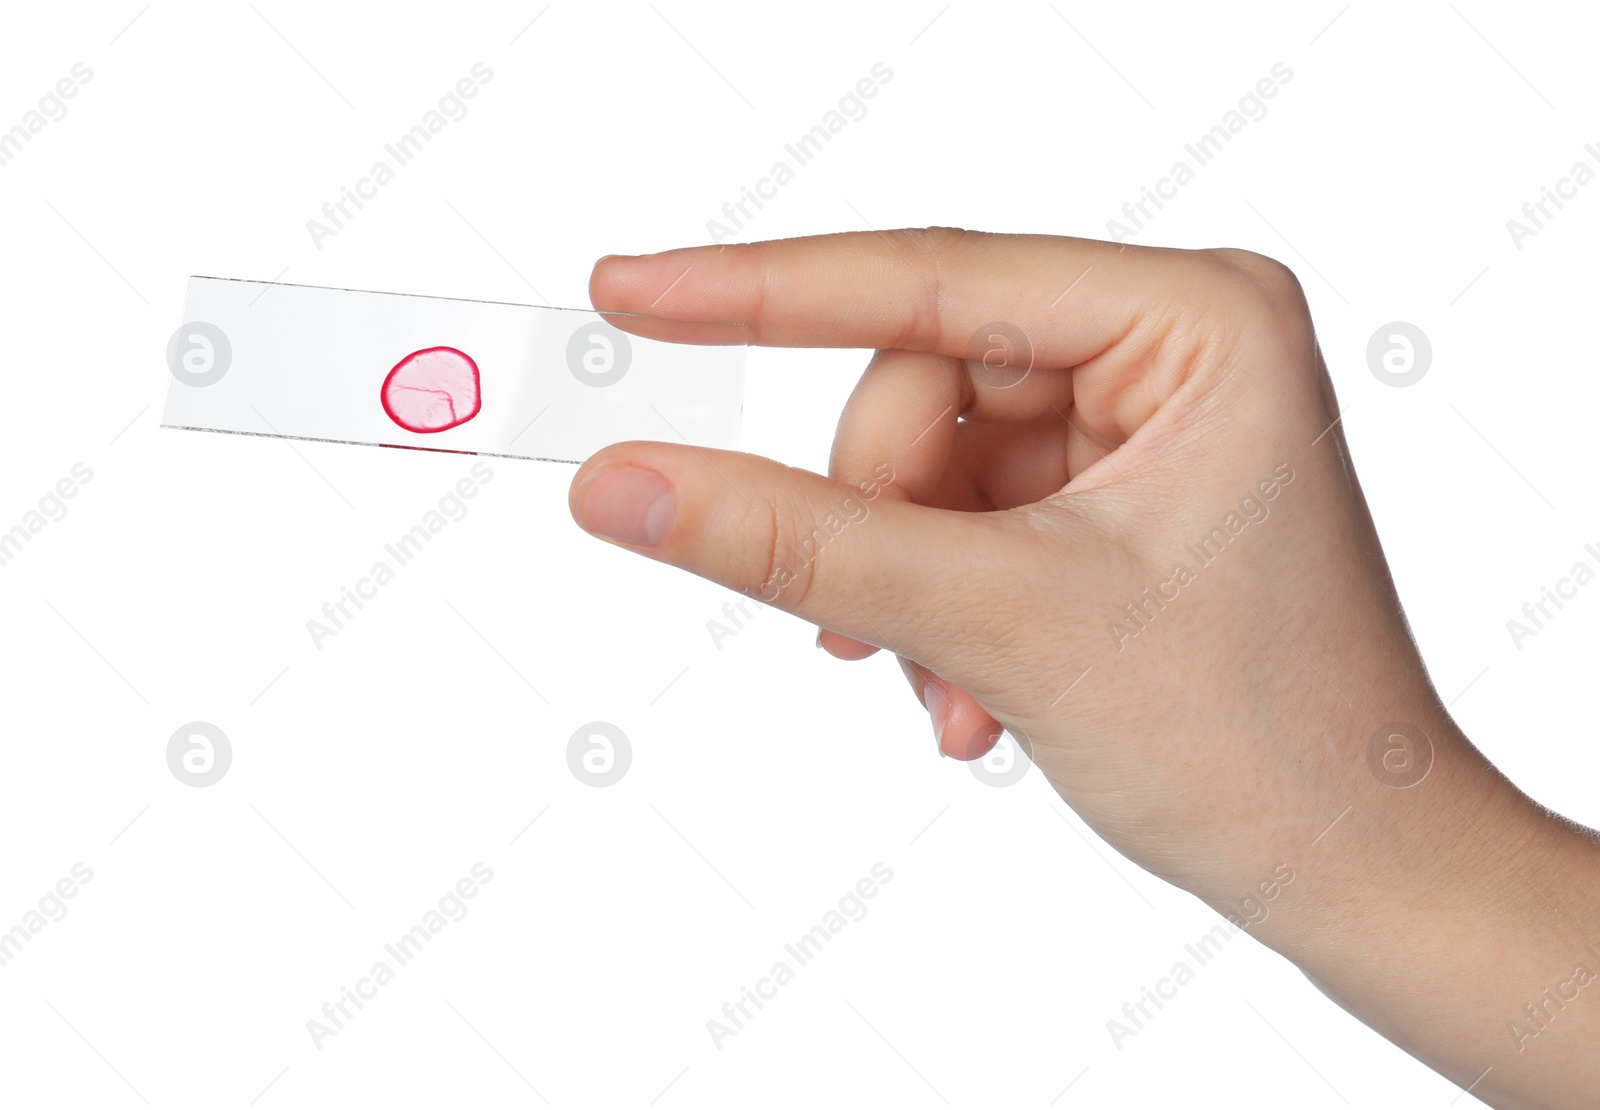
(1266, 709)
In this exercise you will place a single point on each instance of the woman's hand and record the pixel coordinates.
(1099, 495)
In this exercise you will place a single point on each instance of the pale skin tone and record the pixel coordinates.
(1221, 728)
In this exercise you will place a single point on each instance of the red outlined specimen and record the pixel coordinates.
(432, 390)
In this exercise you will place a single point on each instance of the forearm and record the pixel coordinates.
(1459, 920)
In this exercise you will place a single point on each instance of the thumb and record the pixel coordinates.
(909, 578)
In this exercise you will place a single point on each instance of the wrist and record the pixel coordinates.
(1456, 917)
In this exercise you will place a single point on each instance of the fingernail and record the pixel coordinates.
(819, 637)
(628, 504)
(938, 704)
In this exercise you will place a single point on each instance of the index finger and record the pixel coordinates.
(932, 289)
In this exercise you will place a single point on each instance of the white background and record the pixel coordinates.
(370, 775)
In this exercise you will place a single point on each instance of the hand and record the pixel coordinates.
(1122, 522)
(1169, 393)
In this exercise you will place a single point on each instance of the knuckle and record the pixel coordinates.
(938, 237)
(788, 564)
(933, 248)
(1264, 279)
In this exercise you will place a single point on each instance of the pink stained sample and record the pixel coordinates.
(432, 389)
